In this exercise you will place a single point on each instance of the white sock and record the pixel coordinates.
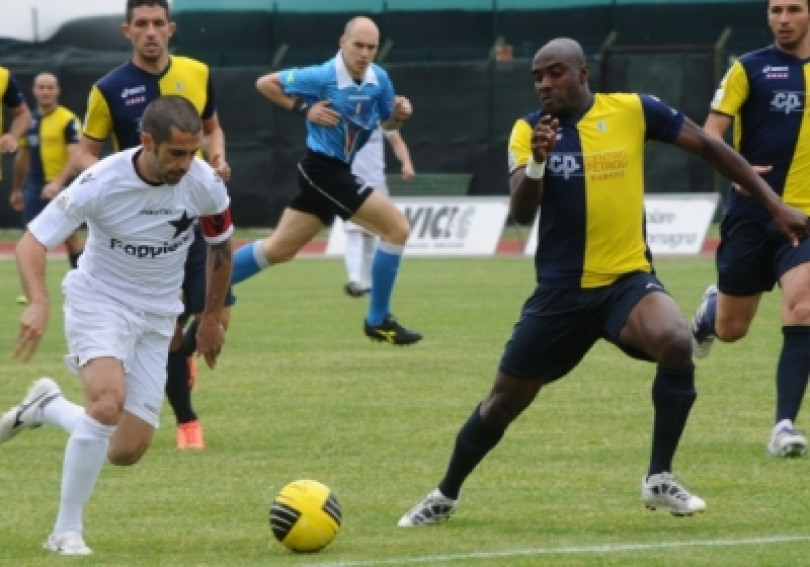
(353, 255)
(369, 247)
(258, 255)
(61, 412)
(85, 454)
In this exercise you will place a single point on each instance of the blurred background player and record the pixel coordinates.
(47, 158)
(14, 101)
(369, 165)
(150, 73)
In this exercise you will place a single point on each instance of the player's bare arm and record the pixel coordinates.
(30, 255)
(214, 147)
(716, 126)
(21, 120)
(402, 112)
(526, 184)
(211, 333)
(89, 150)
(319, 113)
(790, 221)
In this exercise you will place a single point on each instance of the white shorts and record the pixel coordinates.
(97, 326)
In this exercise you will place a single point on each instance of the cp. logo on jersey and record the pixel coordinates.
(564, 165)
(786, 101)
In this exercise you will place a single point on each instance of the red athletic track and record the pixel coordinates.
(511, 247)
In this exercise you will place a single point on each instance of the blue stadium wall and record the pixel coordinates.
(465, 102)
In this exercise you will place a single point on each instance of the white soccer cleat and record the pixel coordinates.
(662, 490)
(24, 415)
(702, 337)
(68, 543)
(786, 441)
(435, 508)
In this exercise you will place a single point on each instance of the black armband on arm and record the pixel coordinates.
(300, 106)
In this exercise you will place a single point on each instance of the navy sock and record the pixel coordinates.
(473, 442)
(190, 340)
(177, 390)
(673, 393)
(792, 371)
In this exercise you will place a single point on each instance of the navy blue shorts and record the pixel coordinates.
(194, 278)
(327, 187)
(753, 255)
(558, 326)
(33, 203)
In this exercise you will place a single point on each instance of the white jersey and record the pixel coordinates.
(138, 232)
(369, 162)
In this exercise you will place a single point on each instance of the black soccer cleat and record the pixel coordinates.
(392, 332)
(354, 289)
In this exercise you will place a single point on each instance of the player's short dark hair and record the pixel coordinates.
(166, 112)
(132, 4)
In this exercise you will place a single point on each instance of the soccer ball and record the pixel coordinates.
(305, 516)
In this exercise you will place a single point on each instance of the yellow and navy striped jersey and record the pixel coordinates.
(117, 101)
(764, 91)
(48, 139)
(11, 97)
(592, 228)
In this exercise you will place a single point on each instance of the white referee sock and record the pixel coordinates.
(369, 248)
(61, 412)
(85, 454)
(353, 255)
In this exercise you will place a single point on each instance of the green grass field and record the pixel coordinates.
(300, 393)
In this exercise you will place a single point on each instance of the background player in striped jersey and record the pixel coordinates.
(47, 157)
(580, 159)
(13, 99)
(117, 102)
(764, 95)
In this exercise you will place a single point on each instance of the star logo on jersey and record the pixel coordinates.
(181, 225)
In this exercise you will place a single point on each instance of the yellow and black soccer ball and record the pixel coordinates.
(305, 516)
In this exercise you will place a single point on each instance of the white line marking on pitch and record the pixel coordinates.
(608, 548)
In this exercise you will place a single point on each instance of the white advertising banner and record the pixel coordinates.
(443, 226)
(676, 222)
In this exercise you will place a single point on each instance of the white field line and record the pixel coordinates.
(566, 550)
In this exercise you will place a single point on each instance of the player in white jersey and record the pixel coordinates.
(369, 165)
(122, 301)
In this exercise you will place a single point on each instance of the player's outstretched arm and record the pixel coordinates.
(34, 320)
(730, 164)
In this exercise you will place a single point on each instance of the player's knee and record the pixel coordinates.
(674, 347)
(800, 313)
(731, 331)
(105, 409)
(397, 231)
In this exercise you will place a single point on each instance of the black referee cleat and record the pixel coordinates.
(392, 332)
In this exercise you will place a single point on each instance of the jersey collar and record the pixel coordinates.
(344, 79)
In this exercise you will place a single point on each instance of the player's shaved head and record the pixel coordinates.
(565, 50)
(46, 78)
(360, 23)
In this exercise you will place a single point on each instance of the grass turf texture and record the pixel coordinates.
(300, 393)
